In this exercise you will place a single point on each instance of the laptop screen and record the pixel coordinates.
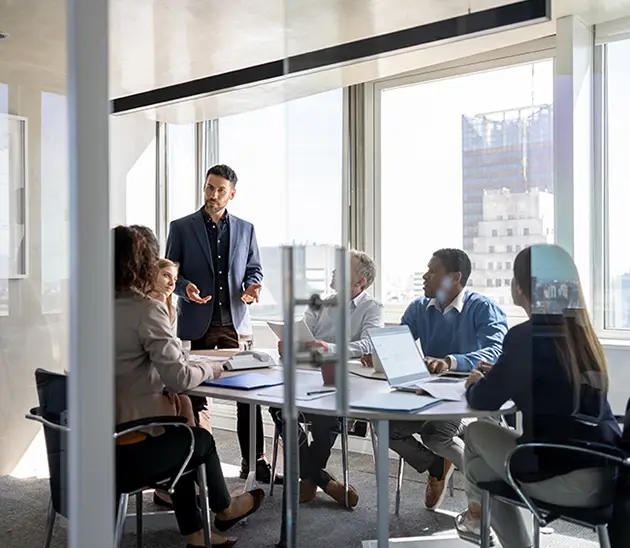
(400, 356)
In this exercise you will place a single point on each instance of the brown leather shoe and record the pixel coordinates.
(436, 487)
(336, 491)
(308, 490)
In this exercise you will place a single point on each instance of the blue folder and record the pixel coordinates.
(246, 381)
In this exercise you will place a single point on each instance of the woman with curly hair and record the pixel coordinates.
(149, 359)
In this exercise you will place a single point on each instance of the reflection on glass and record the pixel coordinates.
(288, 159)
(182, 175)
(473, 158)
(54, 205)
(618, 166)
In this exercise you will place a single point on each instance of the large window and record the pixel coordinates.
(466, 162)
(288, 159)
(181, 171)
(55, 202)
(618, 185)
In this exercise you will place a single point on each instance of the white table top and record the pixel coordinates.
(359, 387)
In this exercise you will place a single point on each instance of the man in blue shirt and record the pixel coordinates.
(457, 329)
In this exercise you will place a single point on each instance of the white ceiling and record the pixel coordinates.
(155, 43)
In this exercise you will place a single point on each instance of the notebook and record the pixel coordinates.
(395, 401)
(246, 381)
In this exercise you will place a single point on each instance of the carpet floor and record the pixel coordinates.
(321, 523)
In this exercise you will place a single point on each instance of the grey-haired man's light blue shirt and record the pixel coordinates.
(365, 313)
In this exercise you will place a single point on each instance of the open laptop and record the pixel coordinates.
(402, 361)
(300, 330)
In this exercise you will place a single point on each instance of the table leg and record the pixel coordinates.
(251, 477)
(382, 484)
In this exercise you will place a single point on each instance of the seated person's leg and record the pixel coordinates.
(263, 473)
(403, 442)
(276, 416)
(442, 438)
(160, 457)
(487, 447)
(325, 431)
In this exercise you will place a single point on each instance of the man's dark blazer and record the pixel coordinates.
(188, 245)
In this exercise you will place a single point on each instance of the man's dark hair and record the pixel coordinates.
(221, 170)
(455, 260)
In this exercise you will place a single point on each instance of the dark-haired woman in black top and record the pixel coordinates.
(553, 368)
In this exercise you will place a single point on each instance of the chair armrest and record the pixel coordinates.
(156, 422)
(35, 415)
(585, 448)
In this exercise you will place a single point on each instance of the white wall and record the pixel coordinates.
(129, 137)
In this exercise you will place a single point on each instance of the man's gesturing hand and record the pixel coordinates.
(251, 294)
(192, 292)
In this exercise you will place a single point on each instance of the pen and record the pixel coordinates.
(314, 392)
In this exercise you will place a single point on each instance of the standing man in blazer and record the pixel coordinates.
(219, 275)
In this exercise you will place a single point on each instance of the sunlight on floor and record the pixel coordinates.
(33, 463)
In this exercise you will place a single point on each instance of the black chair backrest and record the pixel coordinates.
(53, 406)
(619, 527)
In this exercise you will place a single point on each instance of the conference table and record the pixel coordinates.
(361, 383)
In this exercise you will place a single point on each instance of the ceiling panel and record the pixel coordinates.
(161, 42)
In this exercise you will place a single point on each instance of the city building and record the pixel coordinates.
(511, 149)
(510, 221)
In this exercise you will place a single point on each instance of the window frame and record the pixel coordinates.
(538, 50)
(601, 192)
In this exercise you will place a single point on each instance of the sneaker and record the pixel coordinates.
(436, 487)
(469, 529)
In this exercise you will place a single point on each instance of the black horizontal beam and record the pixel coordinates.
(508, 15)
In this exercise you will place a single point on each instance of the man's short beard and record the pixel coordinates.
(210, 207)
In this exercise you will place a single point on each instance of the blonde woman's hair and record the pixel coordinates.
(167, 263)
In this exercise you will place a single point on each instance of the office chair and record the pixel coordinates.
(400, 472)
(544, 513)
(52, 414)
(344, 456)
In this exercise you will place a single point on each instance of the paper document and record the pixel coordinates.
(395, 401)
(301, 331)
(446, 391)
(301, 393)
